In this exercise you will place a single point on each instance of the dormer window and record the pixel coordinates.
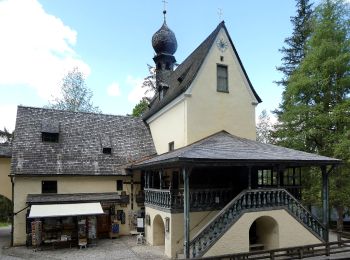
(162, 89)
(50, 131)
(107, 150)
(49, 137)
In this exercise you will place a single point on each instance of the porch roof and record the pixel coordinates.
(76, 198)
(224, 148)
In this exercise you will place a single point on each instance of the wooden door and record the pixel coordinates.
(103, 224)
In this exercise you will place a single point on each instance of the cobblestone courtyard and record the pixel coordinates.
(119, 248)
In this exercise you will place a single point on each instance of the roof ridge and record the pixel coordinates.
(73, 112)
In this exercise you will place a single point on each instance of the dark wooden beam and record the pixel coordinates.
(325, 198)
(185, 175)
(249, 177)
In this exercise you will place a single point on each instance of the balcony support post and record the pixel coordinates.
(325, 198)
(160, 178)
(249, 177)
(185, 175)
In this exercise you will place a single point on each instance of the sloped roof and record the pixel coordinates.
(5, 150)
(81, 139)
(224, 147)
(76, 197)
(181, 78)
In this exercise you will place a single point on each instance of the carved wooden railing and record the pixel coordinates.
(199, 198)
(250, 200)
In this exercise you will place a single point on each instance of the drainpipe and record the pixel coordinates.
(13, 206)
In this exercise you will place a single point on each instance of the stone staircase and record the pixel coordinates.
(248, 201)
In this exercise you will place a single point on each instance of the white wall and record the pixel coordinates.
(236, 239)
(68, 184)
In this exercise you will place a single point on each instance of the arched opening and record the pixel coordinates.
(5, 209)
(158, 231)
(263, 234)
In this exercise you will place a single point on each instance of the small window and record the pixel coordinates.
(49, 137)
(171, 146)
(49, 187)
(119, 184)
(222, 78)
(107, 150)
(291, 176)
(267, 177)
(221, 58)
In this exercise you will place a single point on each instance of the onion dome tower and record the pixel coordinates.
(164, 44)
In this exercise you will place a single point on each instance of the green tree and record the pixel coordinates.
(75, 95)
(6, 136)
(264, 128)
(315, 115)
(140, 107)
(294, 51)
(149, 84)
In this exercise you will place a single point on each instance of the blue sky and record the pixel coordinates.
(110, 41)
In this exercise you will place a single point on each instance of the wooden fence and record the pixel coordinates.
(298, 252)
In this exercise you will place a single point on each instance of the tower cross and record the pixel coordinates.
(220, 13)
(164, 3)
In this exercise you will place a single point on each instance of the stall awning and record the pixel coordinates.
(64, 210)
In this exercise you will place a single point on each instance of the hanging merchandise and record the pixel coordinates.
(92, 227)
(36, 233)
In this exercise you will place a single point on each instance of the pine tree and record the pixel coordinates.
(294, 52)
(316, 101)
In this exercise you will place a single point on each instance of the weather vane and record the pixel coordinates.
(220, 13)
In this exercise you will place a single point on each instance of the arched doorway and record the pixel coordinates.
(158, 231)
(5, 209)
(263, 234)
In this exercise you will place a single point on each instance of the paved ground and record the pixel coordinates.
(119, 248)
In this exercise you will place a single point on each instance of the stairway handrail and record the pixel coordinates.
(239, 196)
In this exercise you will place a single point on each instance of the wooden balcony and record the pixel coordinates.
(200, 199)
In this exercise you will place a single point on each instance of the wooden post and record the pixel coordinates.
(325, 199)
(160, 179)
(280, 171)
(152, 180)
(185, 175)
(249, 177)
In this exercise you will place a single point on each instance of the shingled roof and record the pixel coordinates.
(226, 148)
(5, 150)
(181, 79)
(82, 137)
(76, 198)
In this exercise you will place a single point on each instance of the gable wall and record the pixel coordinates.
(170, 127)
(209, 111)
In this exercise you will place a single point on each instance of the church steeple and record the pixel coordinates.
(164, 44)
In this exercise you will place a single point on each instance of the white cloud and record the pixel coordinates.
(8, 117)
(36, 48)
(137, 92)
(113, 89)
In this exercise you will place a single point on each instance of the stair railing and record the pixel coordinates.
(249, 200)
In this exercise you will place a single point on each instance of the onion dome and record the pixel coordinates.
(164, 40)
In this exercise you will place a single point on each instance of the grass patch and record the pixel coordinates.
(4, 224)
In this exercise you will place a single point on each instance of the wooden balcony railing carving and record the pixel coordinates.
(199, 199)
(249, 200)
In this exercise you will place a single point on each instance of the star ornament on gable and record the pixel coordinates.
(222, 44)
